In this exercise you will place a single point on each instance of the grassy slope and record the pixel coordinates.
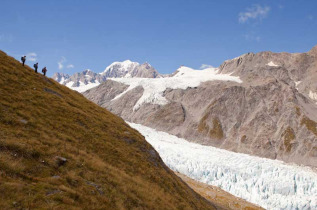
(218, 196)
(109, 165)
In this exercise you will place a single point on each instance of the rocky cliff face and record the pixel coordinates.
(272, 113)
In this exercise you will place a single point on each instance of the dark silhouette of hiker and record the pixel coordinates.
(36, 67)
(44, 70)
(23, 59)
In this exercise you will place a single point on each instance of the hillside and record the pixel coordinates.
(262, 104)
(61, 151)
(219, 196)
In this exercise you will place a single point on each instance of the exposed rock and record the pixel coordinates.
(108, 91)
(53, 192)
(60, 161)
(52, 92)
(23, 121)
(97, 187)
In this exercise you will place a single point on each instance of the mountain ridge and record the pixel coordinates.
(87, 79)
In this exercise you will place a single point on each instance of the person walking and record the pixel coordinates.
(36, 67)
(44, 70)
(23, 59)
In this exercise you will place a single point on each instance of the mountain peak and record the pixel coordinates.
(313, 50)
(87, 71)
(146, 65)
(123, 65)
(129, 68)
(60, 77)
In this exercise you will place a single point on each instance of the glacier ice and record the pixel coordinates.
(185, 77)
(271, 184)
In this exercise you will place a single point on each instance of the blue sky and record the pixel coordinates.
(72, 35)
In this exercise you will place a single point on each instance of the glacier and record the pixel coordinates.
(184, 78)
(271, 184)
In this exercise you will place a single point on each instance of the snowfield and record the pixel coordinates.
(271, 184)
(313, 95)
(272, 64)
(82, 86)
(184, 78)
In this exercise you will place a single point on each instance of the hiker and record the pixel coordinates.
(36, 66)
(44, 70)
(23, 59)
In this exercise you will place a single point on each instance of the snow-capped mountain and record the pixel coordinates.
(88, 79)
(130, 69)
(60, 77)
(80, 81)
(262, 104)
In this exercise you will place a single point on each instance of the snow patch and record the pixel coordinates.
(69, 84)
(272, 64)
(88, 76)
(82, 88)
(62, 80)
(312, 95)
(296, 84)
(184, 78)
(271, 184)
(128, 75)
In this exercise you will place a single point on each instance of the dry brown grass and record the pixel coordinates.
(298, 113)
(203, 127)
(215, 132)
(109, 165)
(288, 136)
(310, 125)
(243, 139)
